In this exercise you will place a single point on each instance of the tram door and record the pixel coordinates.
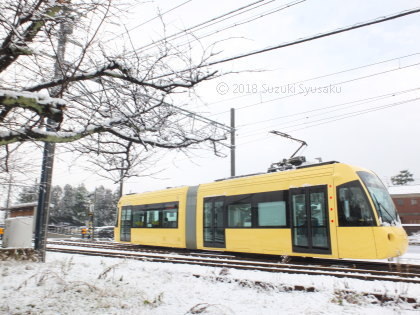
(126, 219)
(214, 222)
(309, 220)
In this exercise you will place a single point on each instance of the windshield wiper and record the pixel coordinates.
(394, 220)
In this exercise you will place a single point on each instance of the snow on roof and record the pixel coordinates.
(404, 190)
(24, 205)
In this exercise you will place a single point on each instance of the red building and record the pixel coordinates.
(407, 201)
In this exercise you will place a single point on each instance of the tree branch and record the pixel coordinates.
(10, 53)
(44, 106)
(125, 76)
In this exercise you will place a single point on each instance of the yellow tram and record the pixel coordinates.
(329, 210)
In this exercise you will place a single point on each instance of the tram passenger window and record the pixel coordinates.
(139, 218)
(153, 219)
(319, 230)
(126, 214)
(208, 214)
(300, 226)
(126, 220)
(353, 206)
(272, 213)
(299, 210)
(170, 219)
(317, 201)
(239, 215)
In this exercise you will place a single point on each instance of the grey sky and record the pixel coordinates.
(384, 140)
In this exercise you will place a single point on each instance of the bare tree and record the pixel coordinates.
(112, 105)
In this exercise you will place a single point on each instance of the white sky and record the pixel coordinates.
(384, 140)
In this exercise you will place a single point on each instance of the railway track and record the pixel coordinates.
(336, 268)
(368, 265)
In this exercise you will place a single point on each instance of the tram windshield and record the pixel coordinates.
(381, 198)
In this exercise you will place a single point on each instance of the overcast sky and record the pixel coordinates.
(369, 117)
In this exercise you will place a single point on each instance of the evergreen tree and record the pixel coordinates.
(71, 205)
(81, 204)
(66, 205)
(109, 207)
(56, 195)
(105, 206)
(403, 178)
(28, 194)
(100, 205)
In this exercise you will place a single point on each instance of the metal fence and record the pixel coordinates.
(66, 230)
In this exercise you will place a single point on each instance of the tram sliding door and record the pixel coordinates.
(214, 222)
(126, 223)
(309, 220)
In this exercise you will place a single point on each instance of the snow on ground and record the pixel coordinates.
(76, 284)
(414, 238)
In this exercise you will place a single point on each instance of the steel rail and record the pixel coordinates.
(304, 261)
(253, 265)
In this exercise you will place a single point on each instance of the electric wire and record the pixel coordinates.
(318, 36)
(245, 21)
(343, 82)
(150, 20)
(341, 117)
(341, 107)
(322, 76)
(322, 87)
(207, 23)
(300, 41)
(202, 25)
(335, 118)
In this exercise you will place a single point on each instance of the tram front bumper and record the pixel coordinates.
(391, 241)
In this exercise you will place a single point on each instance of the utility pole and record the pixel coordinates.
(9, 196)
(42, 213)
(91, 222)
(232, 143)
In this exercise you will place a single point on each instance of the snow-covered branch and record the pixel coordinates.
(42, 105)
(16, 42)
(108, 103)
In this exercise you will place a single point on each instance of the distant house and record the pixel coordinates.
(407, 201)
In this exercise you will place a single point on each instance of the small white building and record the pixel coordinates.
(20, 225)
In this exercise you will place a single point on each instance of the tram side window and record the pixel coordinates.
(153, 219)
(272, 213)
(126, 215)
(169, 218)
(353, 206)
(162, 215)
(259, 210)
(139, 218)
(239, 215)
